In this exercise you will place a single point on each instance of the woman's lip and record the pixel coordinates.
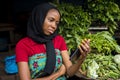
(50, 31)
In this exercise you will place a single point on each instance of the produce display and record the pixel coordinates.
(103, 62)
(101, 67)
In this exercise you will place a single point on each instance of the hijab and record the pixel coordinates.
(35, 32)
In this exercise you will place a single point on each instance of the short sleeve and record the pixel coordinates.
(21, 52)
(63, 45)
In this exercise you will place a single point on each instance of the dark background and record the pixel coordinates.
(18, 11)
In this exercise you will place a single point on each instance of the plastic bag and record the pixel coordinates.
(10, 65)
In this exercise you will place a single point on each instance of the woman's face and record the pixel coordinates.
(51, 22)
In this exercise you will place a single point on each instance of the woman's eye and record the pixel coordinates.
(51, 20)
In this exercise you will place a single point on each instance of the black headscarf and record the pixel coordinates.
(35, 31)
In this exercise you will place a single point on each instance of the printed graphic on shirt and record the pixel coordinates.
(37, 64)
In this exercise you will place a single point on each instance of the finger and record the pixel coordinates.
(85, 46)
(81, 51)
(86, 41)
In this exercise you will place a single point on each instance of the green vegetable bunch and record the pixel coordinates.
(103, 43)
(104, 13)
(74, 24)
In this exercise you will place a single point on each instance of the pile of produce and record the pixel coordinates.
(103, 62)
(101, 67)
(75, 22)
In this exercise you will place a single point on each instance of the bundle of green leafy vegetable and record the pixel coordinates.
(103, 43)
(74, 24)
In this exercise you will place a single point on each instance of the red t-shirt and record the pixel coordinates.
(26, 47)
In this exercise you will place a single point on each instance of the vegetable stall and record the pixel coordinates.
(103, 62)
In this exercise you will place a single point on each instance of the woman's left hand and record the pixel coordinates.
(84, 48)
(62, 69)
(57, 74)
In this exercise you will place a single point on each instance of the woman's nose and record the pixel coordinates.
(54, 25)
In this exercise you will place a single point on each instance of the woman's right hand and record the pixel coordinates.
(84, 48)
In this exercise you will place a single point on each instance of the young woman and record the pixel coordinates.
(42, 54)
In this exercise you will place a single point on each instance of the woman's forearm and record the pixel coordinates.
(53, 76)
(59, 73)
(74, 68)
(84, 50)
